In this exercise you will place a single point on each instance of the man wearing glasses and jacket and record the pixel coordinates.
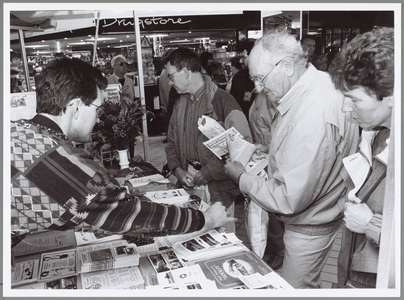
(310, 136)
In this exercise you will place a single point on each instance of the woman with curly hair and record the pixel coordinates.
(364, 72)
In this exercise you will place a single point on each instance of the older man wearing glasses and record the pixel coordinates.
(119, 64)
(310, 136)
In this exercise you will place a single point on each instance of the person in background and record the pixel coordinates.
(189, 160)
(241, 86)
(206, 61)
(164, 93)
(364, 72)
(66, 187)
(320, 62)
(309, 137)
(118, 63)
(309, 46)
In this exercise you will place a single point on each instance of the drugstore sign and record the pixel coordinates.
(202, 22)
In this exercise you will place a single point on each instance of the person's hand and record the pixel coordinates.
(199, 180)
(233, 169)
(216, 216)
(261, 148)
(357, 216)
(184, 177)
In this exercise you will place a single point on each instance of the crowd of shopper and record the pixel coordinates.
(326, 134)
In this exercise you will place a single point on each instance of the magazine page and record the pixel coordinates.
(55, 265)
(165, 260)
(112, 279)
(239, 149)
(226, 271)
(210, 127)
(25, 272)
(218, 144)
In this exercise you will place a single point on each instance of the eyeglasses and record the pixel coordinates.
(100, 110)
(122, 63)
(170, 76)
(260, 81)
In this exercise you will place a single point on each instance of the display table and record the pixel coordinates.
(88, 258)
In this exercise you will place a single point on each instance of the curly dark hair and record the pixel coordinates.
(184, 58)
(64, 79)
(367, 61)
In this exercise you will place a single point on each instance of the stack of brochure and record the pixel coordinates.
(106, 256)
(210, 244)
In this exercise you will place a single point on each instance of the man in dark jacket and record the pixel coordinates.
(190, 161)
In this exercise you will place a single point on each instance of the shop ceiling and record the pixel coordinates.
(64, 31)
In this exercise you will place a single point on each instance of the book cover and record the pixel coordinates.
(225, 271)
(109, 255)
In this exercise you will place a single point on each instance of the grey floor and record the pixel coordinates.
(157, 158)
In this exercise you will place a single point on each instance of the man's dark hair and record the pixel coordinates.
(235, 62)
(184, 58)
(65, 79)
(367, 61)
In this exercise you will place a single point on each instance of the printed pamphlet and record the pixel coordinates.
(25, 272)
(56, 265)
(120, 278)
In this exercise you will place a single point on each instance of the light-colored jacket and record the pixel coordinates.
(310, 136)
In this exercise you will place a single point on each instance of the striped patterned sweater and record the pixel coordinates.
(56, 186)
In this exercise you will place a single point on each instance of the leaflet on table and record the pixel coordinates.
(25, 272)
(109, 255)
(208, 244)
(140, 181)
(226, 271)
(89, 235)
(112, 279)
(165, 260)
(45, 241)
(55, 265)
(174, 196)
(191, 277)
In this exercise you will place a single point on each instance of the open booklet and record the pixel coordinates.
(230, 143)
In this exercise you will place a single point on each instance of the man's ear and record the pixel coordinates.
(289, 65)
(75, 106)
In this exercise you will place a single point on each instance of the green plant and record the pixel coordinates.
(119, 125)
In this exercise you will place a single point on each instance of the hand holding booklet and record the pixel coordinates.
(230, 143)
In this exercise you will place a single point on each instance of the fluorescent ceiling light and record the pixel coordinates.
(82, 43)
(101, 39)
(36, 46)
